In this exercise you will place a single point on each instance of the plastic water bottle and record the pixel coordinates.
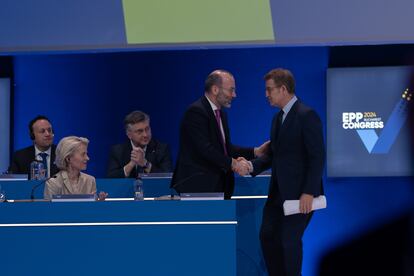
(2, 195)
(37, 170)
(138, 189)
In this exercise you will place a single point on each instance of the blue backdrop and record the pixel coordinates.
(90, 94)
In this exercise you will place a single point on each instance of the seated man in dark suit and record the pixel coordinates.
(140, 154)
(43, 149)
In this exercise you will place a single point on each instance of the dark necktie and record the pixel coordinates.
(218, 119)
(44, 155)
(279, 122)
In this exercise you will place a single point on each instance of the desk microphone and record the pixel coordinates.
(38, 184)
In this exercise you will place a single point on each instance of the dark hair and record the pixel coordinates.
(215, 78)
(282, 77)
(33, 121)
(135, 117)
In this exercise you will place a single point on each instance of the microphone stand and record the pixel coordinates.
(38, 184)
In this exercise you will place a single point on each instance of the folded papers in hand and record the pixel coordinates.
(291, 207)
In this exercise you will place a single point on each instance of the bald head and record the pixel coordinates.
(220, 88)
(216, 78)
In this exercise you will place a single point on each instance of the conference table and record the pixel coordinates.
(121, 236)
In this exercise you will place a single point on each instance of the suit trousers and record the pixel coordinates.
(281, 240)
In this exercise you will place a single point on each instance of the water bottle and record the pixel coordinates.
(2, 195)
(138, 189)
(37, 170)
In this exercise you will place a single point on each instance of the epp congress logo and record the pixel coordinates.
(366, 124)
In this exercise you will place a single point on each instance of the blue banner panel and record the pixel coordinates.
(48, 24)
(342, 22)
(119, 238)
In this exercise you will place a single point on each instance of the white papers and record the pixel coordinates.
(291, 207)
(202, 196)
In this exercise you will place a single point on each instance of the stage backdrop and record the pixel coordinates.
(90, 94)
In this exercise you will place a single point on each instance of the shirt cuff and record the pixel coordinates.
(250, 166)
(147, 167)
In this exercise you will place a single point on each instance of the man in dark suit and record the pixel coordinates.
(206, 155)
(296, 156)
(141, 153)
(43, 149)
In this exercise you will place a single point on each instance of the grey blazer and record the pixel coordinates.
(61, 185)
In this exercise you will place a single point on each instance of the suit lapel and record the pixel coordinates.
(225, 128)
(32, 155)
(150, 151)
(287, 122)
(213, 120)
(66, 182)
(52, 154)
(53, 167)
(126, 152)
(274, 128)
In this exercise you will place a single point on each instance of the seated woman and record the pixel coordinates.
(71, 159)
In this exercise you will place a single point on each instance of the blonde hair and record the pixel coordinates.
(66, 147)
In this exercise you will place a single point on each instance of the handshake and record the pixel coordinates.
(241, 166)
(244, 167)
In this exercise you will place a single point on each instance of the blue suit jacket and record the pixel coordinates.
(296, 155)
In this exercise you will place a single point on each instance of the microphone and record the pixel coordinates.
(38, 184)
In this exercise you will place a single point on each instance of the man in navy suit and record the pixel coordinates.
(296, 156)
(43, 149)
(207, 157)
(140, 153)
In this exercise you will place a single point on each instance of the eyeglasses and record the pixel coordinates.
(271, 88)
(140, 130)
(231, 89)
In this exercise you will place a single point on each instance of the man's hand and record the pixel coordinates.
(240, 166)
(138, 157)
(262, 150)
(305, 203)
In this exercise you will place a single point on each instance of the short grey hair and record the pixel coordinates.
(135, 117)
(66, 147)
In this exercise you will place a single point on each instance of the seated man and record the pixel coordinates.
(41, 132)
(140, 154)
